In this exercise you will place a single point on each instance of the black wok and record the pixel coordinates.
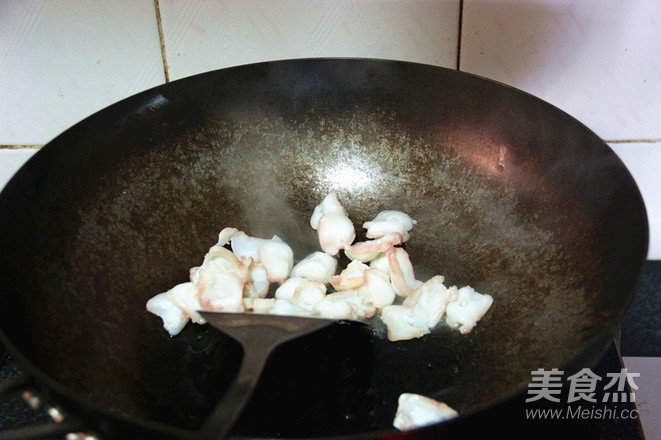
(511, 195)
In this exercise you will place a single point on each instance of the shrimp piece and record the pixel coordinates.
(277, 258)
(329, 205)
(421, 311)
(185, 296)
(259, 305)
(318, 266)
(401, 271)
(351, 277)
(346, 304)
(387, 222)
(220, 291)
(174, 319)
(416, 411)
(275, 255)
(432, 297)
(404, 322)
(220, 281)
(467, 309)
(381, 263)
(377, 288)
(307, 294)
(287, 308)
(367, 251)
(258, 284)
(334, 227)
(287, 289)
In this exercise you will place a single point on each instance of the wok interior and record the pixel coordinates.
(511, 196)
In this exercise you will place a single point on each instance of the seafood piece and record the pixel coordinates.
(404, 322)
(219, 290)
(351, 277)
(415, 411)
(285, 307)
(287, 289)
(243, 245)
(432, 297)
(259, 305)
(318, 266)
(389, 221)
(377, 288)
(277, 258)
(381, 263)
(329, 205)
(421, 311)
(307, 294)
(220, 281)
(334, 227)
(185, 296)
(174, 319)
(366, 251)
(348, 304)
(401, 271)
(274, 254)
(258, 283)
(467, 309)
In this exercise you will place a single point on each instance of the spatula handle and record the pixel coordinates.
(228, 410)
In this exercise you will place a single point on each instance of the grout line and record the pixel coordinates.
(459, 31)
(19, 147)
(635, 141)
(162, 40)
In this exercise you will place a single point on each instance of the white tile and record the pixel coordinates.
(643, 159)
(600, 61)
(206, 35)
(62, 60)
(648, 394)
(11, 160)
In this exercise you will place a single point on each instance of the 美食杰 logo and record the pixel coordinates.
(586, 394)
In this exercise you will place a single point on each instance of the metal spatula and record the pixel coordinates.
(259, 335)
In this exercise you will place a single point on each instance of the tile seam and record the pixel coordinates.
(459, 31)
(161, 39)
(634, 141)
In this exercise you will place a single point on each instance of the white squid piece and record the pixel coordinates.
(174, 319)
(367, 251)
(334, 228)
(416, 411)
(318, 266)
(469, 307)
(387, 222)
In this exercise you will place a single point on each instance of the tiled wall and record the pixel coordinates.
(600, 61)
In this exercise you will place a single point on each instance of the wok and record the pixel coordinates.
(512, 197)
